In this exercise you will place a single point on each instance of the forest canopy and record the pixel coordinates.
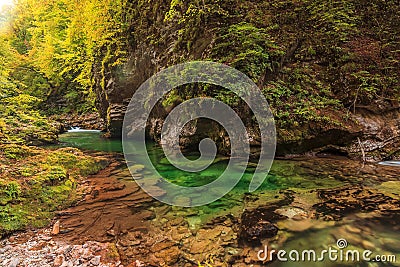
(306, 56)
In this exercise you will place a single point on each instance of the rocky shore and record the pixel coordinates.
(39, 249)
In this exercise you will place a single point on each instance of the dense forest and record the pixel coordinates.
(321, 65)
(330, 71)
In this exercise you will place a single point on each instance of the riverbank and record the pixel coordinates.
(37, 248)
(309, 201)
(35, 182)
(51, 245)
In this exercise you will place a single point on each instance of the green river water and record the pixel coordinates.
(336, 197)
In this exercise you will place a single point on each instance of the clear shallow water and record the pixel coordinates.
(300, 174)
(89, 140)
(303, 182)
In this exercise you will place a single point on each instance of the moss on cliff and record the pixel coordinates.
(317, 62)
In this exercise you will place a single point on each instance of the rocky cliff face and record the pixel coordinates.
(380, 138)
(331, 88)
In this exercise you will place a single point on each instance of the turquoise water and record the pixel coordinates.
(283, 174)
(90, 140)
(301, 180)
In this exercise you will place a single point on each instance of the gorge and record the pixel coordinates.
(68, 69)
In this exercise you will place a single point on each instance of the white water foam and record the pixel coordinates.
(390, 163)
(80, 130)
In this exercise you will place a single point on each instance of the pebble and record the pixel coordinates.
(111, 233)
(95, 261)
(53, 253)
(66, 264)
(56, 228)
(233, 251)
(59, 261)
(14, 262)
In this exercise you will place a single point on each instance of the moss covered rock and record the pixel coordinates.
(35, 182)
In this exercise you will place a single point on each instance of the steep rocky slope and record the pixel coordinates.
(328, 69)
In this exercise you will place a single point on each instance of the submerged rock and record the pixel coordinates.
(340, 202)
(291, 212)
(297, 226)
(261, 229)
(258, 224)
